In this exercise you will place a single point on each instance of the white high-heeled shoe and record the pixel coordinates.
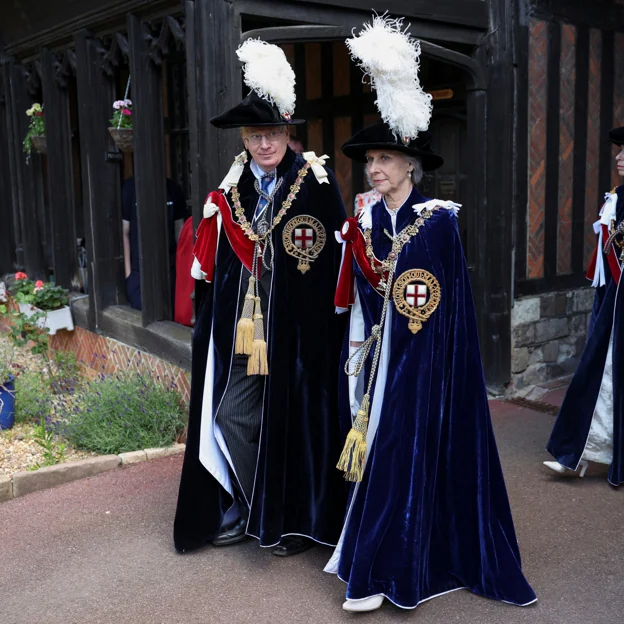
(366, 604)
(561, 469)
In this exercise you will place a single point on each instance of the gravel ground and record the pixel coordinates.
(18, 450)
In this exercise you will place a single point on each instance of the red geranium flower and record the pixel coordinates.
(39, 284)
(20, 276)
(126, 111)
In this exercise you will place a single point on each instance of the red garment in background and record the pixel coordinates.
(185, 284)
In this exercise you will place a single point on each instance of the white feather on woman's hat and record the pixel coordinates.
(391, 58)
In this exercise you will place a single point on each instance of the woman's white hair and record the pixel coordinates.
(417, 170)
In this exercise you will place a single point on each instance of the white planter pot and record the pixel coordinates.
(53, 319)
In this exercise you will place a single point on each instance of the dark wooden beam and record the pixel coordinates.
(300, 90)
(472, 13)
(579, 163)
(11, 171)
(56, 28)
(26, 177)
(521, 146)
(150, 175)
(60, 174)
(490, 149)
(215, 80)
(323, 14)
(193, 112)
(607, 87)
(553, 104)
(7, 233)
(603, 14)
(100, 181)
(313, 33)
(327, 93)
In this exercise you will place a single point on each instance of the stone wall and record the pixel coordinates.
(548, 334)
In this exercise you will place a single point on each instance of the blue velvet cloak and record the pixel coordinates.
(569, 435)
(431, 514)
(297, 489)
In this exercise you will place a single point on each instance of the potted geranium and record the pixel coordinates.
(46, 302)
(121, 125)
(35, 137)
(7, 388)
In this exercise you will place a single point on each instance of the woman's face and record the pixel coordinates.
(619, 159)
(388, 170)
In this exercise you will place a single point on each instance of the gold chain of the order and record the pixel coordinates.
(398, 242)
(240, 212)
(614, 232)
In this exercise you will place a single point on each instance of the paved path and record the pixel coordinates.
(100, 551)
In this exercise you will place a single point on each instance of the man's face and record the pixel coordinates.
(619, 159)
(267, 145)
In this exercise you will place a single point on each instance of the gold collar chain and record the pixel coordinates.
(398, 243)
(240, 212)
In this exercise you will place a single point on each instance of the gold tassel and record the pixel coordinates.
(245, 326)
(353, 457)
(258, 363)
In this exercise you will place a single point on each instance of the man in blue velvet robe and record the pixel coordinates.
(264, 431)
(591, 420)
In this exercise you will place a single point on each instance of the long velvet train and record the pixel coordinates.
(431, 514)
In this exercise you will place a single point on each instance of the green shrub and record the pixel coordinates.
(32, 397)
(64, 373)
(124, 413)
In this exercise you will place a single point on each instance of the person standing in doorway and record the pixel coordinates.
(177, 213)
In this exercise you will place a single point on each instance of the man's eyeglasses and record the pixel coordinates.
(256, 139)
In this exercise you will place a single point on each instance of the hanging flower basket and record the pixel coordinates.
(39, 144)
(35, 136)
(122, 137)
(121, 124)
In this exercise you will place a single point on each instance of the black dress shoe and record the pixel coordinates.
(233, 535)
(292, 545)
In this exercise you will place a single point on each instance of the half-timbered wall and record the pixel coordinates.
(574, 94)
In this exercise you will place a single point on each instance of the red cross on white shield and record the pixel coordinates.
(416, 295)
(304, 238)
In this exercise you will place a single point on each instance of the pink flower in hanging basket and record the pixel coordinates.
(20, 276)
(126, 111)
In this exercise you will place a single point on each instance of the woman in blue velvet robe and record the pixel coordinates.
(590, 425)
(430, 514)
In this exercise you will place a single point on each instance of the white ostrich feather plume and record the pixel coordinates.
(391, 58)
(268, 73)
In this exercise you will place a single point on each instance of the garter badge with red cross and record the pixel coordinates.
(416, 296)
(304, 238)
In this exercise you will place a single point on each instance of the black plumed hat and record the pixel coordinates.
(381, 137)
(253, 111)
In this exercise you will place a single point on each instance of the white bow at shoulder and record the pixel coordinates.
(235, 172)
(317, 163)
(440, 203)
